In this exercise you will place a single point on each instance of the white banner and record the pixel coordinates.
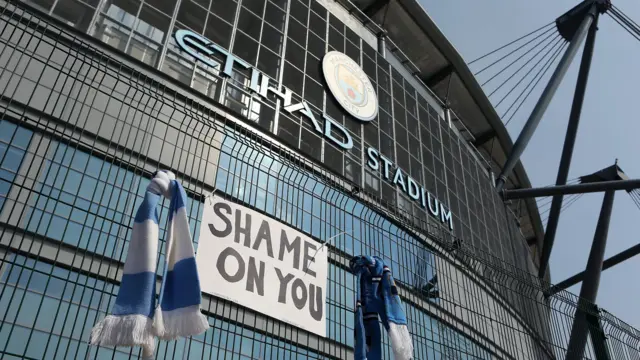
(260, 263)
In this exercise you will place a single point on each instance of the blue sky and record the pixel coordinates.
(608, 130)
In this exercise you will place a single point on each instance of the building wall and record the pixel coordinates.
(286, 40)
(82, 131)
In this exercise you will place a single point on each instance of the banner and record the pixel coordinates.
(260, 263)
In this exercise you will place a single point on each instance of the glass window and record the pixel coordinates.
(299, 11)
(192, 16)
(153, 24)
(289, 129)
(333, 158)
(317, 24)
(269, 63)
(313, 93)
(314, 68)
(245, 48)
(44, 5)
(225, 9)
(123, 12)
(144, 50)
(275, 16)
(218, 31)
(205, 83)
(249, 23)
(292, 78)
(297, 33)
(295, 55)
(168, 6)
(178, 68)
(272, 38)
(257, 6)
(336, 40)
(74, 13)
(316, 45)
(310, 143)
(111, 32)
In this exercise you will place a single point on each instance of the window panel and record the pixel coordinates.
(257, 6)
(317, 24)
(269, 63)
(245, 48)
(44, 5)
(74, 13)
(168, 6)
(225, 9)
(192, 16)
(299, 11)
(123, 12)
(249, 23)
(292, 78)
(272, 38)
(275, 16)
(295, 55)
(218, 31)
(316, 45)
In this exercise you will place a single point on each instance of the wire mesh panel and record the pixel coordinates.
(82, 129)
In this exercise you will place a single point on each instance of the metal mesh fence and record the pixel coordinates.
(82, 129)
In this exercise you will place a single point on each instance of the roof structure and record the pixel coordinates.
(419, 43)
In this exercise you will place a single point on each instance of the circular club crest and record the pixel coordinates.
(350, 86)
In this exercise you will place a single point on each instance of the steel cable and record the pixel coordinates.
(626, 19)
(625, 22)
(510, 53)
(529, 72)
(511, 43)
(523, 55)
(542, 74)
(549, 43)
(615, 8)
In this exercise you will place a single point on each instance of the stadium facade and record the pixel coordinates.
(232, 96)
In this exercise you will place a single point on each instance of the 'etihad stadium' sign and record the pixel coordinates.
(409, 186)
(202, 48)
(349, 85)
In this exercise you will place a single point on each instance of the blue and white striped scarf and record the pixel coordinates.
(377, 300)
(135, 319)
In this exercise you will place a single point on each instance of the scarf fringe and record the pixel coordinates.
(400, 341)
(127, 330)
(184, 322)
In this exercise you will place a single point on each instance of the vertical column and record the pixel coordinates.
(567, 150)
(382, 43)
(589, 289)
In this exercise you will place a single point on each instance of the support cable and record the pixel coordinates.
(557, 54)
(546, 201)
(511, 43)
(549, 43)
(625, 22)
(545, 211)
(513, 51)
(635, 197)
(618, 10)
(571, 199)
(637, 37)
(550, 59)
(523, 55)
(565, 206)
(626, 19)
